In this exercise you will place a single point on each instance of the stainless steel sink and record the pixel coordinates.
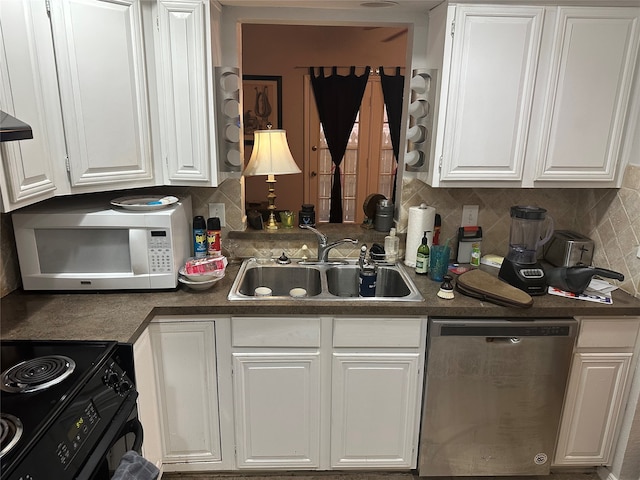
(342, 281)
(280, 279)
(322, 281)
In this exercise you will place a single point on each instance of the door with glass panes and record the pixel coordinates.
(368, 165)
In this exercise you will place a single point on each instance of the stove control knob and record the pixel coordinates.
(124, 386)
(111, 379)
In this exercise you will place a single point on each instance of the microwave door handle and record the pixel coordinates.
(139, 251)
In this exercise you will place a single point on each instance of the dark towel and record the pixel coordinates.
(134, 467)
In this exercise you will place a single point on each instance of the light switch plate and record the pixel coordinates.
(470, 215)
(217, 210)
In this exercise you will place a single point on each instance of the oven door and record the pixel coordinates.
(124, 434)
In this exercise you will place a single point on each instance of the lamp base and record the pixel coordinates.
(271, 198)
(271, 223)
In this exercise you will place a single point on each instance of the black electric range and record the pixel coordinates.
(62, 405)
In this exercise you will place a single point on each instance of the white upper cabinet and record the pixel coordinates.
(493, 66)
(103, 88)
(119, 93)
(186, 95)
(534, 96)
(594, 54)
(28, 91)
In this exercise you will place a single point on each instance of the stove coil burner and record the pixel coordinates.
(37, 374)
(10, 432)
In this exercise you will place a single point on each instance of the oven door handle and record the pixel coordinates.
(134, 426)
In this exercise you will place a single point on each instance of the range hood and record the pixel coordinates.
(13, 129)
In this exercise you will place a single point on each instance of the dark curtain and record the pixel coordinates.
(392, 90)
(338, 99)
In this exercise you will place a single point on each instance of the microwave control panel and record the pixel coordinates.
(160, 258)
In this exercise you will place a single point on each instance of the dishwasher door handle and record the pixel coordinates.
(510, 340)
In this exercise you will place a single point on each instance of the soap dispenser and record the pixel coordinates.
(391, 246)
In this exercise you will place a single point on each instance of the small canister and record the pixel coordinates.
(367, 281)
(384, 216)
(213, 237)
(199, 237)
(307, 216)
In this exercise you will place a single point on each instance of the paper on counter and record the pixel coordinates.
(602, 286)
(589, 296)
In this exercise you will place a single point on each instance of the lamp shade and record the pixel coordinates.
(271, 154)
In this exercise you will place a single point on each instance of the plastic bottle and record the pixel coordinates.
(422, 257)
(199, 237)
(368, 276)
(213, 237)
(475, 254)
(391, 246)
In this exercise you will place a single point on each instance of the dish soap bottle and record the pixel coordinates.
(391, 246)
(422, 257)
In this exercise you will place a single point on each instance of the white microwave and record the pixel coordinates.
(74, 245)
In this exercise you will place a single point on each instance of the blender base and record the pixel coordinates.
(529, 278)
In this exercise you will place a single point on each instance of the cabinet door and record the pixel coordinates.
(597, 385)
(489, 92)
(375, 410)
(186, 92)
(277, 406)
(28, 91)
(103, 88)
(593, 60)
(148, 399)
(185, 362)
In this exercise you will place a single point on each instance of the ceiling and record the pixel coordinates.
(408, 5)
(402, 5)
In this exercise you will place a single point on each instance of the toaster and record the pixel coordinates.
(567, 249)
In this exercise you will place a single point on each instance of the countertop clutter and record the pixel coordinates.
(122, 316)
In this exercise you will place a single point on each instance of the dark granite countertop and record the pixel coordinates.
(122, 316)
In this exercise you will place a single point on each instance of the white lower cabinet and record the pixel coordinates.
(376, 378)
(185, 362)
(373, 415)
(597, 390)
(277, 409)
(148, 412)
(281, 393)
(277, 394)
(327, 393)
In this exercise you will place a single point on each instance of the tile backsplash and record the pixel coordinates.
(611, 217)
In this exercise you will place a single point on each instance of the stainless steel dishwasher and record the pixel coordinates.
(493, 395)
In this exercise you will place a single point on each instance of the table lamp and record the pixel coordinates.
(271, 156)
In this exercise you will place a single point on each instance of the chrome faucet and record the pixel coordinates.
(323, 243)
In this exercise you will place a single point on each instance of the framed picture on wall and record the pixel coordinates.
(262, 103)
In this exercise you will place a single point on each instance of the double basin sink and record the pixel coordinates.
(331, 281)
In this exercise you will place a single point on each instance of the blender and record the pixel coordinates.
(521, 267)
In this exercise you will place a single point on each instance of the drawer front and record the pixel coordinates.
(368, 332)
(275, 332)
(608, 332)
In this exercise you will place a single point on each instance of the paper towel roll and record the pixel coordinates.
(421, 219)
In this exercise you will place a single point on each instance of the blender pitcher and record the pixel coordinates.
(525, 235)
(520, 268)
